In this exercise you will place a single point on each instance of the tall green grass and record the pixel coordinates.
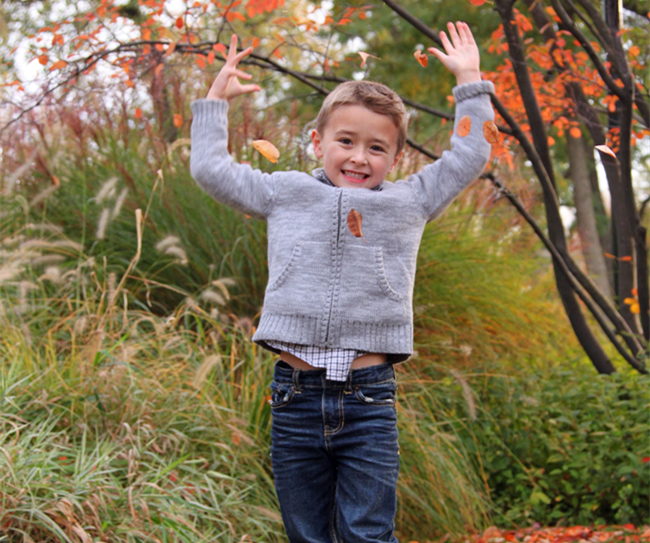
(134, 408)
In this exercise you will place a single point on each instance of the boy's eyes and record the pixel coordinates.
(348, 141)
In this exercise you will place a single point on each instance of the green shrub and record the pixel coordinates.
(565, 445)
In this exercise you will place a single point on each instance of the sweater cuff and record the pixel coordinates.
(209, 111)
(470, 90)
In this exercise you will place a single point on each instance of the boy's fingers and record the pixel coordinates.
(250, 88)
(445, 42)
(242, 74)
(437, 53)
(454, 34)
(233, 47)
(468, 34)
(243, 53)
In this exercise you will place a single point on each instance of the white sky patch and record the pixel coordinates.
(322, 12)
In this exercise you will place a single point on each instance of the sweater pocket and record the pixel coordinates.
(366, 295)
(301, 285)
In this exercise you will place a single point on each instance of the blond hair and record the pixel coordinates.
(369, 94)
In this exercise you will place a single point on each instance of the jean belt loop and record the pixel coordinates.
(296, 380)
(348, 383)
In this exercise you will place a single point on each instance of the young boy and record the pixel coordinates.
(342, 248)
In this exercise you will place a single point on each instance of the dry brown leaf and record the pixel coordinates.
(364, 57)
(605, 149)
(421, 58)
(491, 132)
(354, 224)
(464, 126)
(267, 150)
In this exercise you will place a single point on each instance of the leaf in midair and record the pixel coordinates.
(138, 113)
(477, 2)
(170, 49)
(491, 132)
(354, 224)
(364, 57)
(267, 150)
(464, 126)
(421, 58)
(178, 120)
(58, 65)
(606, 150)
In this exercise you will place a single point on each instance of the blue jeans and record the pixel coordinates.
(335, 454)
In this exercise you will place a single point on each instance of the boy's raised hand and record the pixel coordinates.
(462, 58)
(227, 86)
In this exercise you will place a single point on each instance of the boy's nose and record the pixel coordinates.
(359, 157)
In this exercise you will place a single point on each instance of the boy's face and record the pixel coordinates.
(358, 147)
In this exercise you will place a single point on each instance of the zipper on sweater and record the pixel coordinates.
(338, 234)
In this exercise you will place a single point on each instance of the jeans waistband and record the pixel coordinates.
(284, 373)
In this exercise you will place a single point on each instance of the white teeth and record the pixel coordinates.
(355, 175)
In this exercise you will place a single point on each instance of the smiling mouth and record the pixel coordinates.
(355, 175)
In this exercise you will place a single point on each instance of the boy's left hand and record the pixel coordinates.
(462, 58)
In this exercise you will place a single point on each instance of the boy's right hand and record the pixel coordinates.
(226, 86)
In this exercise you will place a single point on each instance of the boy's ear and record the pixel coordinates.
(316, 141)
(396, 161)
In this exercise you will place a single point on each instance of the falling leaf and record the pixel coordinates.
(58, 65)
(477, 2)
(267, 150)
(491, 132)
(354, 224)
(626, 259)
(464, 126)
(421, 58)
(364, 57)
(179, 23)
(170, 49)
(43, 59)
(138, 113)
(178, 120)
(210, 57)
(606, 150)
(608, 255)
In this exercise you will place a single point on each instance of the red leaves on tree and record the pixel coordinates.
(179, 23)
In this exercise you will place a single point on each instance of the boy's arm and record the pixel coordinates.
(439, 183)
(237, 185)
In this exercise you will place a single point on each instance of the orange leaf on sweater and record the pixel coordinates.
(464, 126)
(354, 224)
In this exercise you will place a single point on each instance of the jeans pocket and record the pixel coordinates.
(377, 394)
(281, 394)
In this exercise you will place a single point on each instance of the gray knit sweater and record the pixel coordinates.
(326, 286)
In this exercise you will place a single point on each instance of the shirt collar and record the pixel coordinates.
(319, 173)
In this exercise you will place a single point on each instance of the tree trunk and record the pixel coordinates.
(585, 215)
(584, 334)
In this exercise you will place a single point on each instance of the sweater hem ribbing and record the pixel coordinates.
(395, 340)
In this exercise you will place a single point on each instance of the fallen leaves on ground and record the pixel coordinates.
(537, 534)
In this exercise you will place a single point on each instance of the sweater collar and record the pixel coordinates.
(319, 173)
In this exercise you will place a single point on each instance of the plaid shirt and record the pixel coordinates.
(337, 362)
